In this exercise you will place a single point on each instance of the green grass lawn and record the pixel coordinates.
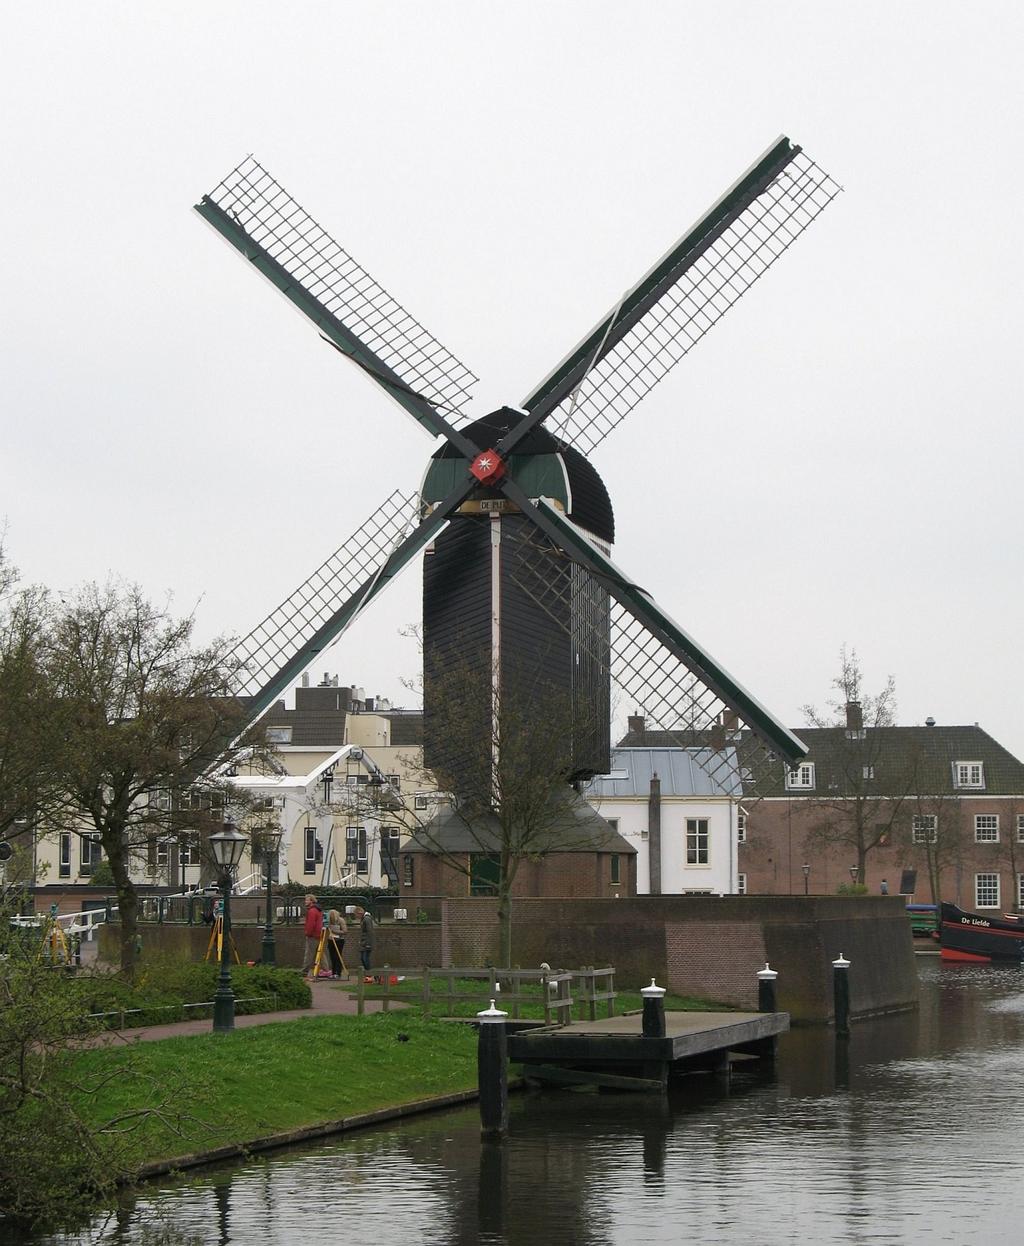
(233, 1088)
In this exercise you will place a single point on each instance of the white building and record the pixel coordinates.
(684, 825)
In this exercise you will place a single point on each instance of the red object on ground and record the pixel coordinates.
(488, 466)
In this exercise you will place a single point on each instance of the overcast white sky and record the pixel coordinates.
(838, 461)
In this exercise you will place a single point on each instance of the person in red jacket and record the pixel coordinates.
(314, 925)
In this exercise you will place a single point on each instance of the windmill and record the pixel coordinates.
(515, 521)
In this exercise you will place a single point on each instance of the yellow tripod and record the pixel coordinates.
(54, 944)
(321, 947)
(217, 939)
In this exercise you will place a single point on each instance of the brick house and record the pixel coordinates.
(939, 809)
(581, 856)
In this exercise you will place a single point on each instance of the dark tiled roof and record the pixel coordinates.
(575, 828)
(905, 759)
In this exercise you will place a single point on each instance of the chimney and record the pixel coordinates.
(635, 722)
(717, 737)
(854, 716)
(929, 721)
(654, 834)
(730, 721)
(305, 679)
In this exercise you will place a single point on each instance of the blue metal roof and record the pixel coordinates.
(679, 770)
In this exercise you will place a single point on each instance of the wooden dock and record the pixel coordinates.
(615, 1053)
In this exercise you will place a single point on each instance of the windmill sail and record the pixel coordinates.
(288, 639)
(660, 668)
(261, 220)
(683, 296)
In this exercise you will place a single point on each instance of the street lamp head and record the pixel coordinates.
(271, 836)
(806, 869)
(227, 846)
(854, 871)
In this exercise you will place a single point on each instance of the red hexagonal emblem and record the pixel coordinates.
(488, 466)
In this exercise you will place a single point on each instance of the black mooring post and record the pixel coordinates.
(841, 995)
(766, 997)
(492, 1072)
(654, 1010)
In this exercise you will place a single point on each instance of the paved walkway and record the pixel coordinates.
(331, 998)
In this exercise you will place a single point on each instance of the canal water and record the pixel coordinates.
(909, 1132)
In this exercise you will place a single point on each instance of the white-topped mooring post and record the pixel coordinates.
(841, 995)
(766, 979)
(654, 1010)
(492, 1071)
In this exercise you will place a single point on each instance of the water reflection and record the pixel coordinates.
(904, 1130)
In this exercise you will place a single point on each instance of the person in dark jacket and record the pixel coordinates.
(365, 937)
(314, 927)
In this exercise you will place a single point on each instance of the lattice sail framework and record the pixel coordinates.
(727, 266)
(649, 678)
(284, 229)
(654, 683)
(268, 648)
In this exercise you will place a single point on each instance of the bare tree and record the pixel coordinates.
(864, 784)
(506, 777)
(934, 835)
(148, 716)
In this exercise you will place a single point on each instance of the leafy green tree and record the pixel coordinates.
(30, 726)
(150, 718)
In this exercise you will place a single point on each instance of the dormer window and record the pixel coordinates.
(969, 774)
(801, 777)
(279, 735)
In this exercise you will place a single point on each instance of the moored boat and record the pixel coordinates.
(979, 937)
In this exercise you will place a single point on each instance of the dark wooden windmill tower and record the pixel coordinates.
(516, 524)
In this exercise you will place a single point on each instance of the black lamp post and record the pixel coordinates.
(271, 838)
(854, 871)
(227, 846)
(807, 873)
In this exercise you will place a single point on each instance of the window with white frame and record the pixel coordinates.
(616, 869)
(697, 841)
(867, 772)
(312, 850)
(279, 735)
(926, 828)
(395, 780)
(355, 847)
(163, 852)
(741, 827)
(741, 884)
(986, 891)
(1020, 828)
(90, 853)
(188, 853)
(1020, 891)
(161, 799)
(986, 828)
(800, 778)
(969, 774)
(64, 860)
(613, 823)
